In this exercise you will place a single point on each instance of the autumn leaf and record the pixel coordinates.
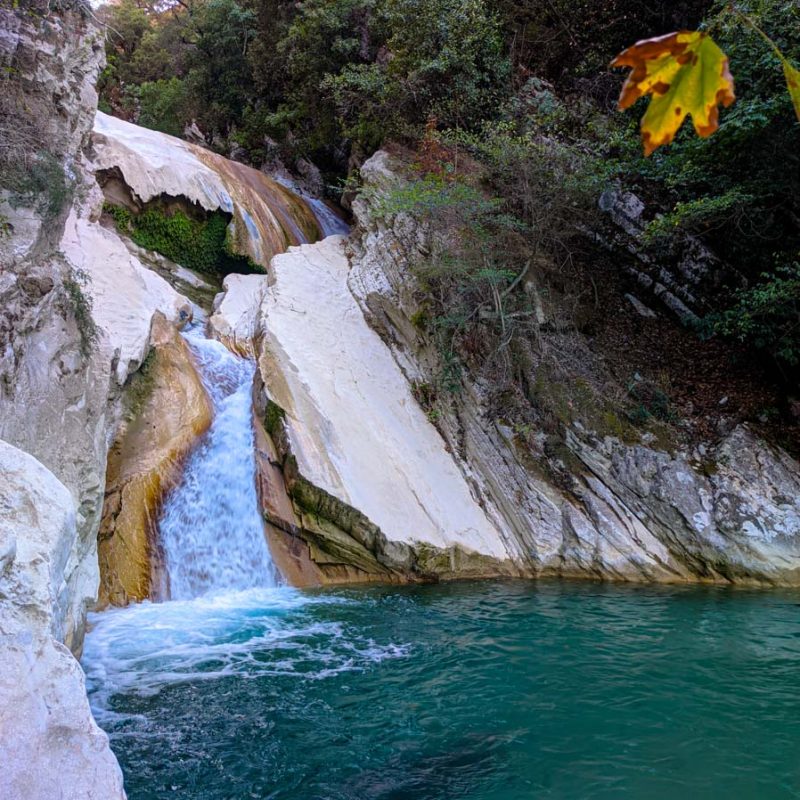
(793, 82)
(687, 74)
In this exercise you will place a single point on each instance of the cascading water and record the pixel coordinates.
(330, 222)
(211, 528)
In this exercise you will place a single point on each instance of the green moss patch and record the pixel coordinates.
(199, 244)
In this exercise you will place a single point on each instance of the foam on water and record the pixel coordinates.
(211, 527)
(143, 648)
(227, 615)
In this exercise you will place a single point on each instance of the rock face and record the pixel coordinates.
(51, 746)
(683, 277)
(237, 312)
(70, 352)
(168, 410)
(75, 304)
(375, 492)
(76, 307)
(267, 217)
(621, 511)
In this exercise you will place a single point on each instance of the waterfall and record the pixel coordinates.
(330, 222)
(211, 529)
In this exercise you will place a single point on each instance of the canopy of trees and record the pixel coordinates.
(331, 80)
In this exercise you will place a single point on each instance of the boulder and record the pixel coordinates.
(50, 743)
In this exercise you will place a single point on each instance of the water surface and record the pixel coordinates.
(487, 691)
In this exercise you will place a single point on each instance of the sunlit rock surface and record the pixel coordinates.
(267, 217)
(50, 745)
(355, 439)
(237, 314)
(168, 409)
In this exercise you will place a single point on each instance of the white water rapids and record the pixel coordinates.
(225, 612)
(211, 528)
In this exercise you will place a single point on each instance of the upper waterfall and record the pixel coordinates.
(267, 217)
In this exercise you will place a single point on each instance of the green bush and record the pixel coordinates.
(41, 184)
(81, 307)
(767, 316)
(163, 106)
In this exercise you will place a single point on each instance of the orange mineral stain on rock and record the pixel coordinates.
(144, 462)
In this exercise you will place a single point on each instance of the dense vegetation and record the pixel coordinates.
(201, 244)
(510, 110)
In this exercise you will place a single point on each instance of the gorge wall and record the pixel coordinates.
(65, 351)
(357, 480)
(721, 511)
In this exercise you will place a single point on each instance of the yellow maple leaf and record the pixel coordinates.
(687, 74)
(793, 82)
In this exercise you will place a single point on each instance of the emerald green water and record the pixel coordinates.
(490, 691)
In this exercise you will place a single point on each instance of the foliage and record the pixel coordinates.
(687, 74)
(739, 190)
(81, 306)
(218, 67)
(767, 315)
(494, 232)
(570, 42)
(518, 96)
(42, 183)
(198, 244)
(320, 76)
(698, 216)
(163, 106)
(793, 83)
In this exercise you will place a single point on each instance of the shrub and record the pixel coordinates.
(767, 316)
(163, 106)
(81, 307)
(41, 184)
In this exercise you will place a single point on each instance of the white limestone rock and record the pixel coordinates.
(50, 746)
(266, 216)
(355, 428)
(124, 294)
(623, 512)
(237, 312)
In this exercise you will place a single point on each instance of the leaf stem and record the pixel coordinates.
(747, 20)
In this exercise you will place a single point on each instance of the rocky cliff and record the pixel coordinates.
(76, 308)
(49, 742)
(599, 506)
(382, 488)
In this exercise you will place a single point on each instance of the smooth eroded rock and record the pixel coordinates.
(50, 746)
(267, 217)
(170, 410)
